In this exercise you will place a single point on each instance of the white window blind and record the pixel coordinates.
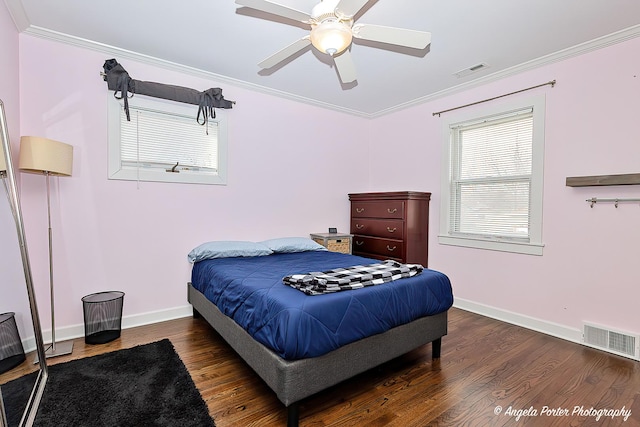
(163, 142)
(156, 139)
(491, 176)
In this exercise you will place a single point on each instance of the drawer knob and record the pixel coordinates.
(394, 210)
(391, 230)
(359, 243)
(391, 249)
(359, 226)
(359, 210)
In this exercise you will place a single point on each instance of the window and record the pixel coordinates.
(492, 178)
(163, 142)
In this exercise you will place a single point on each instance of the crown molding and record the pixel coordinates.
(19, 16)
(113, 51)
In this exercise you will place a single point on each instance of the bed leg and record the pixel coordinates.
(293, 414)
(196, 314)
(436, 346)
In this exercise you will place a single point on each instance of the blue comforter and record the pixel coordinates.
(294, 325)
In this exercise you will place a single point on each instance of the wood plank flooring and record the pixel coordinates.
(485, 365)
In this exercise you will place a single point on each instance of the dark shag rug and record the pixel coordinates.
(146, 385)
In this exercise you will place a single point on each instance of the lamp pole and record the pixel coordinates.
(53, 319)
(67, 346)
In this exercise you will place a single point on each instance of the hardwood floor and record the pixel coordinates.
(485, 365)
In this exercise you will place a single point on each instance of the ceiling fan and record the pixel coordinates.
(332, 30)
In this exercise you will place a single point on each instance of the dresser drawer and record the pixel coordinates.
(378, 209)
(389, 248)
(388, 228)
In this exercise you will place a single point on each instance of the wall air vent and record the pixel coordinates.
(617, 342)
(470, 70)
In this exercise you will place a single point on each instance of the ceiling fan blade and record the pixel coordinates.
(349, 8)
(345, 66)
(283, 54)
(397, 36)
(276, 9)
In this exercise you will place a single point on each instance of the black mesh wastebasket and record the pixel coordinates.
(102, 316)
(11, 350)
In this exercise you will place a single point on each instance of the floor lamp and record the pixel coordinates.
(51, 158)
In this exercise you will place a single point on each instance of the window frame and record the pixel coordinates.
(117, 171)
(534, 246)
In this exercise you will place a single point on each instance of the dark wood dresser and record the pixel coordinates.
(392, 225)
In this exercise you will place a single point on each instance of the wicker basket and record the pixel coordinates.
(335, 243)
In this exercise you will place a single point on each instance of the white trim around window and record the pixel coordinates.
(531, 242)
(202, 157)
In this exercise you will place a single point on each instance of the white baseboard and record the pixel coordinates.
(543, 326)
(538, 325)
(132, 321)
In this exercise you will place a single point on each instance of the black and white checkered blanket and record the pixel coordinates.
(356, 277)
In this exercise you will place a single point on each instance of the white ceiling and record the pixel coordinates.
(222, 40)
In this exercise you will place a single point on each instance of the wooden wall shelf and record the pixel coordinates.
(589, 181)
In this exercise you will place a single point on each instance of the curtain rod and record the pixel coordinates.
(552, 83)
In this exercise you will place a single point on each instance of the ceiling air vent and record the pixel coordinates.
(620, 343)
(470, 70)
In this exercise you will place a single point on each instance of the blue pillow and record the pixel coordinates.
(227, 249)
(293, 244)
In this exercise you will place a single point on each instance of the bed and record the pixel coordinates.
(301, 344)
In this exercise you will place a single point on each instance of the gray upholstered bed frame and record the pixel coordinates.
(293, 380)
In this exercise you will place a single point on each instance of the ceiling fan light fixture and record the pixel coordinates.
(331, 37)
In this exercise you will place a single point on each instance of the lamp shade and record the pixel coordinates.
(39, 155)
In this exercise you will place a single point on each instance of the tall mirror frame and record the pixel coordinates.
(35, 396)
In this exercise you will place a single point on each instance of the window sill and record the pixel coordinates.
(513, 247)
(131, 174)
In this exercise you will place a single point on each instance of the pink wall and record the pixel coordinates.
(13, 295)
(114, 235)
(290, 167)
(589, 268)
